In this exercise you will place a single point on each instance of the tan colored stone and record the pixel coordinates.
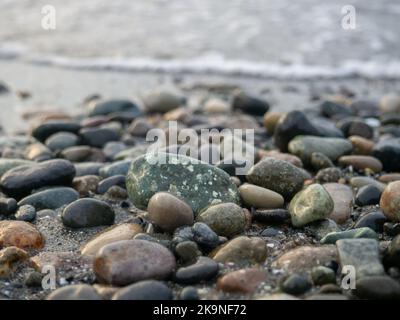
(20, 234)
(9, 257)
(342, 197)
(390, 201)
(86, 184)
(390, 177)
(361, 162)
(361, 146)
(244, 280)
(259, 197)
(270, 121)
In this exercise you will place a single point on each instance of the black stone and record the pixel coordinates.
(377, 288)
(392, 256)
(144, 290)
(296, 284)
(374, 220)
(8, 206)
(368, 195)
(388, 151)
(204, 236)
(204, 269)
(250, 105)
(331, 109)
(98, 137)
(112, 106)
(355, 127)
(45, 130)
(104, 185)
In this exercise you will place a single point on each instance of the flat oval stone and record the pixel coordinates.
(390, 201)
(272, 216)
(342, 197)
(74, 292)
(107, 183)
(8, 164)
(361, 162)
(125, 231)
(195, 182)
(390, 177)
(105, 107)
(358, 182)
(226, 219)
(87, 212)
(241, 281)
(20, 234)
(61, 140)
(259, 197)
(22, 180)
(53, 198)
(204, 269)
(48, 128)
(169, 212)
(362, 146)
(377, 288)
(115, 168)
(374, 220)
(124, 262)
(144, 290)
(368, 195)
(98, 137)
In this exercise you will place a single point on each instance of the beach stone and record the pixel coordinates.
(189, 293)
(187, 251)
(361, 162)
(8, 206)
(361, 146)
(321, 228)
(204, 269)
(26, 213)
(368, 195)
(169, 212)
(115, 168)
(196, 183)
(34, 279)
(327, 296)
(125, 231)
(295, 284)
(392, 255)
(248, 104)
(52, 198)
(144, 290)
(272, 216)
(363, 254)
(9, 258)
(225, 219)
(282, 156)
(124, 262)
(389, 177)
(305, 146)
(390, 103)
(107, 183)
(388, 152)
(44, 130)
(377, 288)
(311, 204)
(342, 197)
(74, 292)
(139, 128)
(83, 154)
(116, 192)
(366, 233)
(322, 275)
(20, 234)
(131, 153)
(355, 127)
(204, 236)
(328, 175)
(8, 164)
(303, 259)
(331, 109)
(373, 220)
(85, 184)
(277, 175)
(87, 168)
(87, 212)
(358, 182)
(112, 148)
(105, 107)
(22, 180)
(259, 197)
(161, 101)
(242, 281)
(98, 137)
(242, 250)
(61, 140)
(320, 161)
(390, 201)
(215, 105)
(278, 296)
(271, 120)
(38, 152)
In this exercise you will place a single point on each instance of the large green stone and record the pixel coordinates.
(191, 180)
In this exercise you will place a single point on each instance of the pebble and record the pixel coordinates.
(277, 175)
(52, 198)
(187, 251)
(361, 146)
(169, 212)
(34, 279)
(20, 234)
(250, 105)
(328, 175)
(116, 192)
(162, 101)
(389, 103)
(87, 212)
(21, 181)
(272, 216)
(363, 254)
(8, 206)
(225, 219)
(390, 177)
(124, 262)
(241, 281)
(392, 255)
(61, 140)
(259, 197)
(321, 228)
(322, 275)
(105, 107)
(196, 183)
(368, 195)
(361, 163)
(242, 250)
(295, 284)
(311, 204)
(107, 183)
(44, 130)
(296, 161)
(125, 231)
(26, 213)
(366, 233)
(373, 220)
(333, 148)
(38, 152)
(377, 288)
(342, 197)
(98, 137)
(331, 109)
(9, 258)
(88, 168)
(355, 127)
(74, 292)
(86, 185)
(189, 293)
(358, 182)
(270, 121)
(388, 152)
(202, 270)
(204, 236)
(144, 290)
(111, 149)
(116, 168)
(8, 164)
(390, 201)
(320, 161)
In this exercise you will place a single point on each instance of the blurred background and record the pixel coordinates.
(266, 39)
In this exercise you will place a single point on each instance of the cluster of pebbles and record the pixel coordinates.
(316, 217)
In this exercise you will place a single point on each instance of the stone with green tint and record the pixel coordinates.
(332, 237)
(193, 181)
(305, 146)
(311, 204)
